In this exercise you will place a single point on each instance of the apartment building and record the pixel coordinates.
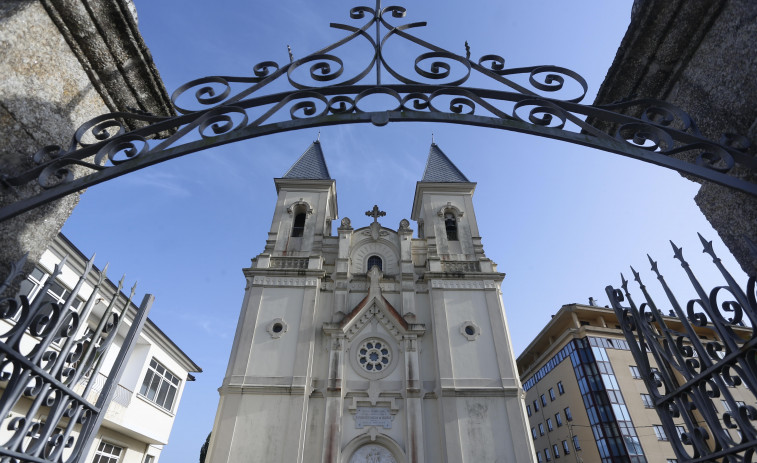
(585, 399)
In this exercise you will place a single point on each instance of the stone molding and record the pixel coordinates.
(481, 391)
(105, 39)
(463, 284)
(284, 281)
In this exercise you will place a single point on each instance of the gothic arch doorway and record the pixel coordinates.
(373, 449)
(320, 91)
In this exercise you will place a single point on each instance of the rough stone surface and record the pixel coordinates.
(63, 63)
(700, 56)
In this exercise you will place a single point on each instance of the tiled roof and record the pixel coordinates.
(311, 165)
(440, 169)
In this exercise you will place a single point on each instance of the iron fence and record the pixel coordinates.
(692, 372)
(46, 351)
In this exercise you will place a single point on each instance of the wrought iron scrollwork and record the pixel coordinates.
(690, 373)
(541, 100)
(48, 356)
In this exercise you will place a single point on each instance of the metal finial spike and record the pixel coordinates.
(467, 50)
(319, 136)
(653, 263)
(105, 269)
(624, 283)
(291, 56)
(636, 276)
(134, 288)
(707, 246)
(677, 252)
(432, 138)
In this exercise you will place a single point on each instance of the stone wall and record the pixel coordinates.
(699, 55)
(63, 63)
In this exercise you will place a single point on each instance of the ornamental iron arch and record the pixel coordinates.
(539, 100)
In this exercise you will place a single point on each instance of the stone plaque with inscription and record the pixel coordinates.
(373, 416)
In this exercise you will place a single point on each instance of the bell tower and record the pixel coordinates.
(264, 401)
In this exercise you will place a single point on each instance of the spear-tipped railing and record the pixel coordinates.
(687, 373)
(46, 349)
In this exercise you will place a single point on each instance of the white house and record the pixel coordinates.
(139, 419)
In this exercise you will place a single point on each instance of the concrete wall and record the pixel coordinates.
(63, 63)
(699, 56)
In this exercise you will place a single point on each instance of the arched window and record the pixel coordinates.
(299, 224)
(450, 224)
(375, 261)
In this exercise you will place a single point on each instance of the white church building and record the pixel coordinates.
(372, 346)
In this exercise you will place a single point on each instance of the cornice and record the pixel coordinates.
(105, 39)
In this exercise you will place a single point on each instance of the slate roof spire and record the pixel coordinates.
(311, 165)
(439, 169)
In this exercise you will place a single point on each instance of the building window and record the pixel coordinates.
(107, 453)
(551, 394)
(543, 400)
(149, 458)
(541, 429)
(560, 388)
(647, 400)
(374, 355)
(549, 424)
(680, 430)
(298, 226)
(558, 419)
(375, 261)
(671, 460)
(159, 386)
(33, 282)
(634, 372)
(536, 406)
(528, 410)
(533, 432)
(726, 407)
(547, 455)
(565, 447)
(450, 224)
(576, 445)
(568, 415)
(659, 431)
(740, 404)
(539, 457)
(556, 450)
(56, 293)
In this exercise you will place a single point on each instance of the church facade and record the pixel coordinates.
(371, 345)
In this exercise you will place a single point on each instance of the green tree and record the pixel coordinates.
(204, 448)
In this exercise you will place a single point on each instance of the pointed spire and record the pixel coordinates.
(311, 165)
(440, 169)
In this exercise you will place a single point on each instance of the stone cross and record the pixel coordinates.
(375, 213)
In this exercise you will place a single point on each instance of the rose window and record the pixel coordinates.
(374, 355)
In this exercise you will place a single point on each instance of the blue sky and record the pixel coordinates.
(560, 220)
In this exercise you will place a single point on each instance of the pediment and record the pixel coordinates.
(374, 306)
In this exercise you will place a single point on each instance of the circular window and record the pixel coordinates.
(470, 330)
(374, 355)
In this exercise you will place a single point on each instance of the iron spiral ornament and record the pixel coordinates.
(326, 88)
